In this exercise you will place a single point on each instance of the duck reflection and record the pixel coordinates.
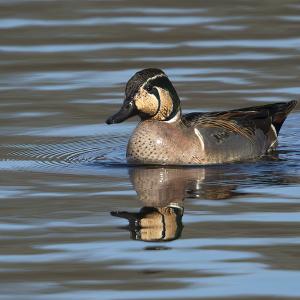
(154, 224)
(162, 192)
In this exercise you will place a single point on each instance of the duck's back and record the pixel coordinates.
(240, 134)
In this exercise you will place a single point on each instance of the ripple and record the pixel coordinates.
(290, 18)
(287, 90)
(85, 47)
(143, 20)
(218, 57)
(146, 10)
(292, 43)
(225, 27)
(268, 99)
(27, 115)
(82, 130)
(70, 155)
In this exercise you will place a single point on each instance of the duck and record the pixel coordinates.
(165, 136)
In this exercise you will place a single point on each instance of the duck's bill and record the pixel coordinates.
(127, 111)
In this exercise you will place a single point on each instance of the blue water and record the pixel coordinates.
(77, 221)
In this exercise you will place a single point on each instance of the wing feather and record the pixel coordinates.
(242, 122)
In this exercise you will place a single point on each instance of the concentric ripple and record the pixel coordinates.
(63, 155)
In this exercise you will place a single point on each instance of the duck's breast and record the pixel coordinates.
(155, 142)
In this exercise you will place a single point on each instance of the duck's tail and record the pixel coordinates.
(279, 112)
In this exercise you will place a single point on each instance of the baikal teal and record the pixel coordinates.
(165, 136)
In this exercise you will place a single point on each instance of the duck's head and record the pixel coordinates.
(150, 95)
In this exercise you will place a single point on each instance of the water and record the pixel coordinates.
(77, 222)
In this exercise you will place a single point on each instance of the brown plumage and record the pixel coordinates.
(196, 138)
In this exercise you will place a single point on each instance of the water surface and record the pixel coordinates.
(77, 222)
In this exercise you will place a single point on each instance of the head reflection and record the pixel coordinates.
(154, 224)
(162, 192)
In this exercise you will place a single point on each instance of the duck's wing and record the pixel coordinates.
(241, 122)
(244, 121)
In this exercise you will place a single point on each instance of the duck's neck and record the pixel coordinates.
(169, 103)
(168, 109)
(176, 118)
(175, 111)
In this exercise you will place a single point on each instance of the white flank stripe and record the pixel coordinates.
(198, 134)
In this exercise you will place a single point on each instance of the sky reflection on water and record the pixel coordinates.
(78, 222)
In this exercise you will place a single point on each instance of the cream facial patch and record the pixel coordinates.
(166, 104)
(146, 102)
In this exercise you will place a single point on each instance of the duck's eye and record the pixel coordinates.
(128, 105)
(149, 88)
